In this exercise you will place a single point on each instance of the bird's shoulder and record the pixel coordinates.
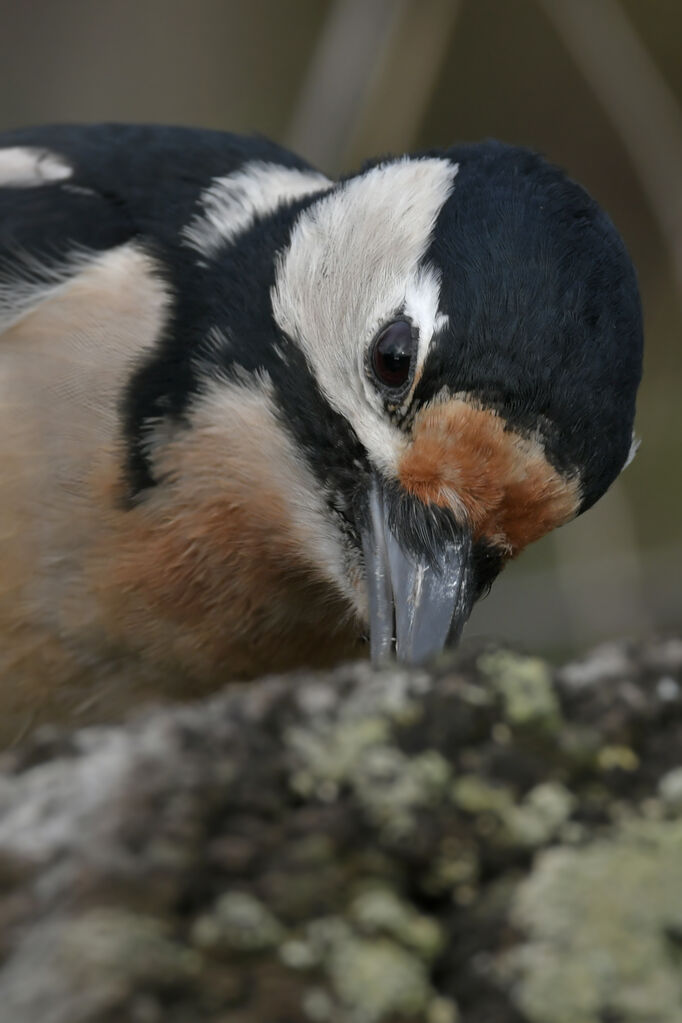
(74, 191)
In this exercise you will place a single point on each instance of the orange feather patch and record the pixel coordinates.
(499, 483)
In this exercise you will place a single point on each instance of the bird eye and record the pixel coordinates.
(392, 354)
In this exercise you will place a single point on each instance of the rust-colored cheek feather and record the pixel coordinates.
(498, 482)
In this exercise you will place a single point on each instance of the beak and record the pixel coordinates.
(418, 601)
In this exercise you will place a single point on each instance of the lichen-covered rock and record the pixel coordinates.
(489, 841)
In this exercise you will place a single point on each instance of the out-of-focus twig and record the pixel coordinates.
(351, 45)
(631, 89)
(400, 90)
(370, 78)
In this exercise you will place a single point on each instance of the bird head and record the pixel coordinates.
(452, 342)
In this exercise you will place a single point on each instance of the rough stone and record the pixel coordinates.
(488, 841)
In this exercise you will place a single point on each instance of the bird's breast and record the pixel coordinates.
(231, 566)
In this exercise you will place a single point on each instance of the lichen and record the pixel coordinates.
(381, 911)
(529, 822)
(237, 922)
(474, 794)
(525, 685)
(328, 755)
(392, 787)
(442, 1010)
(601, 927)
(372, 979)
(620, 758)
(540, 815)
(376, 979)
(357, 754)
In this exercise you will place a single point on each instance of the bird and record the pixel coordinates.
(254, 419)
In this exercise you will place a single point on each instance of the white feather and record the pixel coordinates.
(232, 203)
(354, 261)
(27, 167)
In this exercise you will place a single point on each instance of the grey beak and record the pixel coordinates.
(414, 601)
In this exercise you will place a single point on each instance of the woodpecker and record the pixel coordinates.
(250, 416)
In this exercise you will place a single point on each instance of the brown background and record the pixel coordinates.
(594, 84)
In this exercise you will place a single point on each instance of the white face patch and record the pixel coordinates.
(232, 203)
(353, 262)
(26, 167)
(422, 297)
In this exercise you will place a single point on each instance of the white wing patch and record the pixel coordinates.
(353, 262)
(232, 203)
(28, 167)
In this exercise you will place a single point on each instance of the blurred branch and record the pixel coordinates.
(370, 78)
(351, 44)
(400, 91)
(644, 111)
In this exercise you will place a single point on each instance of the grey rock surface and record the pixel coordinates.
(488, 841)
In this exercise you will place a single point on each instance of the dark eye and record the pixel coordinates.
(392, 354)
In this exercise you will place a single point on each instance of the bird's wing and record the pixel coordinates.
(68, 192)
(93, 224)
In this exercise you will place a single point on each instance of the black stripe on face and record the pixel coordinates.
(222, 327)
(229, 296)
(325, 438)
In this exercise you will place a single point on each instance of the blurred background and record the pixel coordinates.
(596, 85)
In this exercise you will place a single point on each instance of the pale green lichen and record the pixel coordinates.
(541, 814)
(237, 922)
(356, 753)
(392, 787)
(598, 923)
(372, 979)
(474, 694)
(442, 1010)
(525, 685)
(622, 758)
(474, 795)
(298, 955)
(381, 911)
(330, 755)
(533, 821)
(376, 979)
